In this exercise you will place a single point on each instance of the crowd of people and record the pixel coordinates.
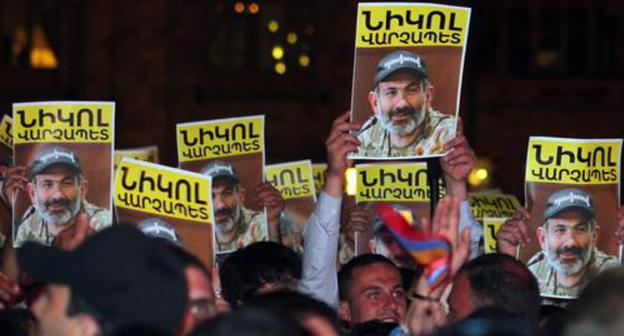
(72, 274)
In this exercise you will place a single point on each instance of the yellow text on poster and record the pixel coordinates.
(392, 183)
(553, 160)
(411, 25)
(490, 228)
(293, 180)
(6, 131)
(318, 171)
(220, 138)
(54, 122)
(161, 190)
(494, 205)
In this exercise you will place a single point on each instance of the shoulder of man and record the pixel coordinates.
(101, 217)
(28, 224)
(538, 265)
(603, 261)
(371, 141)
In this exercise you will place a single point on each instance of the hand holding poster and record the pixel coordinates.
(405, 55)
(231, 151)
(295, 182)
(168, 203)
(66, 149)
(572, 194)
(494, 207)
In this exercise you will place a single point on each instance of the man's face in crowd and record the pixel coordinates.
(227, 199)
(383, 243)
(568, 240)
(50, 309)
(376, 293)
(201, 298)
(56, 195)
(400, 103)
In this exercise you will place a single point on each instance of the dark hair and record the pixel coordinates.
(504, 282)
(600, 306)
(299, 305)
(15, 321)
(188, 259)
(251, 321)
(345, 275)
(246, 270)
(78, 305)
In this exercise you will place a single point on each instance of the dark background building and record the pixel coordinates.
(550, 67)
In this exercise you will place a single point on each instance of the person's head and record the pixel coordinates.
(402, 94)
(314, 315)
(494, 280)
(258, 268)
(252, 321)
(117, 277)
(57, 186)
(384, 243)
(227, 194)
(569, 232)
(200, 293)
(370, 288)
(600, 307)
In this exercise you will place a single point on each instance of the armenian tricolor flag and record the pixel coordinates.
(432, 251)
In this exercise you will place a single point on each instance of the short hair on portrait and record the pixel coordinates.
(244, 271)
(592, 223)
(600, 306)
(345, 275)
(424, 84)
(80, 178)
(504, 282)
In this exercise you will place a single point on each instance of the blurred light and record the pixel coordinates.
(280, 68)
(277, 52)
(273, 26)
(41, 54)
(254, 8)
(239, 7)
(292, 38)
(304, 60)
(482, 174)
(309, 29)
(350, 177)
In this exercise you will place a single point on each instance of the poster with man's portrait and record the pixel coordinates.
(167, 203)
(572, 194)
(231, 152)
(407, 78)
(64, 153)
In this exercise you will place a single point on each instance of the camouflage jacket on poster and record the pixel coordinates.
(547, 276)
(437, 129)
(251, 228)
(34, 228)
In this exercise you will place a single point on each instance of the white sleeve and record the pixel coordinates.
(319, 278)
(476, 231)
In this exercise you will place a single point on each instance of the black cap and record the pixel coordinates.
(400, 61)
(569, 198)
(55, 156)
(158, 228)
(220, 169)
(124, 275)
